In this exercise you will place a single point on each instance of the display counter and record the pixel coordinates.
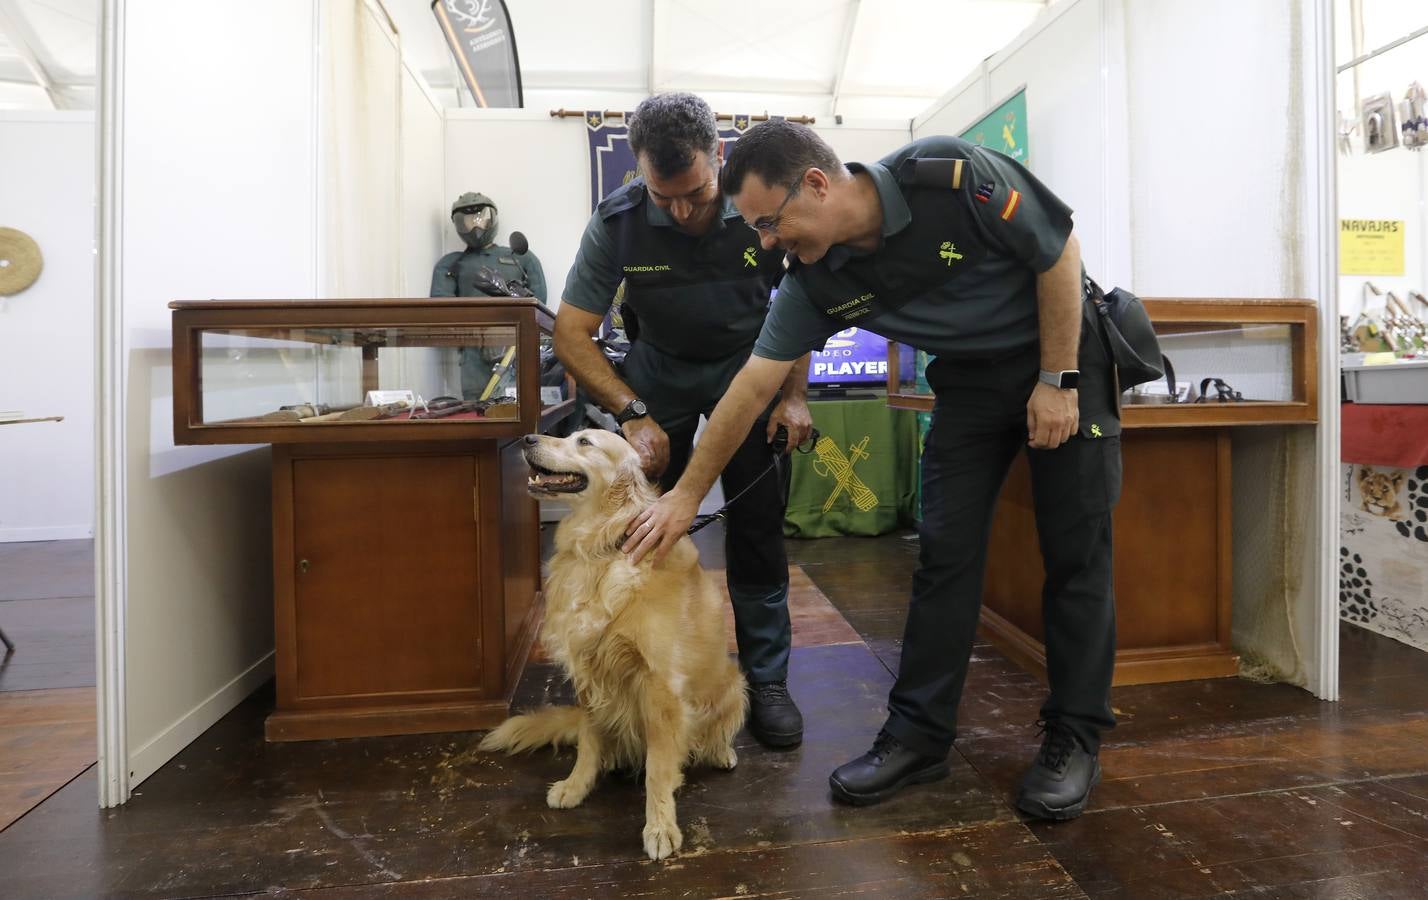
(1172, 527)
(406, 550)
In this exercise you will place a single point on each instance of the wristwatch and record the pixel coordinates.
(1066, 379)
(635, 409)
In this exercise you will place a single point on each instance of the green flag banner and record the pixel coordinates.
(1003, 129)
(861, 477)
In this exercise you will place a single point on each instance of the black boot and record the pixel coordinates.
(1059, 783)
(883, 771)
(773, 717)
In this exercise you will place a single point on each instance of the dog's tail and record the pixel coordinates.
(548, 726)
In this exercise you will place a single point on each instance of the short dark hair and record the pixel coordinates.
(779, 152)
(669, 129)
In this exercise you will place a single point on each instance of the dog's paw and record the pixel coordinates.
(662, 839)
(566, 794)
(724, 758)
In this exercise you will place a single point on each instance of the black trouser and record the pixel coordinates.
(757, 567)
(978, 426)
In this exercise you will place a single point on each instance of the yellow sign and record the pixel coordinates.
(1371, 246)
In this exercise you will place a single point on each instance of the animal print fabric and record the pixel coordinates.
(1383, 557)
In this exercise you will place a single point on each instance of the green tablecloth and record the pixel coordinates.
(861, 477)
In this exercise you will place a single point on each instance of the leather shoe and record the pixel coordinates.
(1059, 783)
(883, 771)
(773, 716)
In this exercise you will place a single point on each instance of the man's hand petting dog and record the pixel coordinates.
(660, 527)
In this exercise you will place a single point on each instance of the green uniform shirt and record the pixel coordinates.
(455, 272)
(990, 311)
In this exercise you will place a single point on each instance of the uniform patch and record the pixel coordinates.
(1013, 203)
(948, 251)
(749, 258)
(984, 192)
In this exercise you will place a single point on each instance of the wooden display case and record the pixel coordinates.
(406, 550)
(1173, 536)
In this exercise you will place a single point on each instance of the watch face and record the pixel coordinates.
(638, 407)
(1069, 380)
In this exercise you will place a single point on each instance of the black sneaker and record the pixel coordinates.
(1059, 783)
(773, 717)
(883, 771)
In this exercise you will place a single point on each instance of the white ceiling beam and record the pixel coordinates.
(844, 47)
(23, 41)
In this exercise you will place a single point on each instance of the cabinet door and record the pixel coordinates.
(386, 593)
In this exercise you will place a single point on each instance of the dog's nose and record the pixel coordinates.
(532, 439)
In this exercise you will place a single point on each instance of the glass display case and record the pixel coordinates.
(299, 371)
(396, 428)
(1236, 362)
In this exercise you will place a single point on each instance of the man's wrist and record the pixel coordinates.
(633, 410)
(1063, 379)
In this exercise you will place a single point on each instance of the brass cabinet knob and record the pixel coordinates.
(302, 566)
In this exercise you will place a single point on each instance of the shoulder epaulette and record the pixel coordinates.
(626, 198)
(949, 173)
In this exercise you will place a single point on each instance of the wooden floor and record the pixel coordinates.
(47, 703)
(1212, 787)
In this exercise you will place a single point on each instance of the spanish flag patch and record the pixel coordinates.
(1013, 202)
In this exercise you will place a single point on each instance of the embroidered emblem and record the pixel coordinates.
(949, 252)
(831, 463)
(750, 260)
(1013, 202)
(984, 192)
(1096, 431)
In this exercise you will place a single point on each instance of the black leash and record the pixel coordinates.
(778, 446)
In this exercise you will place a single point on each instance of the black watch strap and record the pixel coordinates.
(635, 409)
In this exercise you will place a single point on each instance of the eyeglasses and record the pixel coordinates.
(769, 224)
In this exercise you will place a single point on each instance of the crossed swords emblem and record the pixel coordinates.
(949, 252)
(831, 463)
(749, 258)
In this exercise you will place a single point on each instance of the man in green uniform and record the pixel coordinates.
(697, 288)
(961, 252)
(459, 274)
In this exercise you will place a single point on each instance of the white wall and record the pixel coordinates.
(217, 185)
(1072, 111)
(47, 331)
(1193, 174)
(381, 138)
(537, 170)
(316, 173)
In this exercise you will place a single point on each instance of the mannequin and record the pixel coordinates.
(468, 273)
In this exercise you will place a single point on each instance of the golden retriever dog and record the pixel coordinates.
(644, 645)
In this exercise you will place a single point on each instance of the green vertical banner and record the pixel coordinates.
(1003, 129)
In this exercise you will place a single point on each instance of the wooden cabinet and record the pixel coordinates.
(406, 551)
(1172, 528)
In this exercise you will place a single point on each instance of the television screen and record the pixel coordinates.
(851, 357)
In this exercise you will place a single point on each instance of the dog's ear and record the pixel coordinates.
(628, 478)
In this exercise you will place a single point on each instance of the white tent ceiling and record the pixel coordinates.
(862, 59)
